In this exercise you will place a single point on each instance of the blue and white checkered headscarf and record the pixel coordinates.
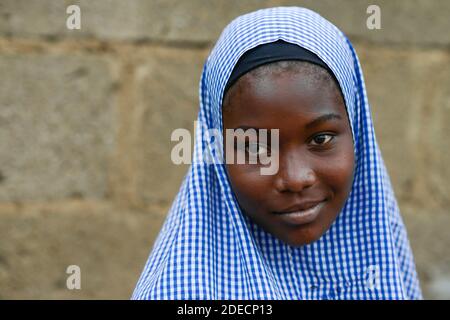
(208, 249)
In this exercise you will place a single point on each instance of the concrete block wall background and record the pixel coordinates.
(86, 117)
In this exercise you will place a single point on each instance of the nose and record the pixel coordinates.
(294, 173)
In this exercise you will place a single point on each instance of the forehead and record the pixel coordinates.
(278, 94)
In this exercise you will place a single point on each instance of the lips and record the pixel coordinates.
(301, 213)
(305, 205)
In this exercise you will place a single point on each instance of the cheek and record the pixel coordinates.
(249, 186)
(339, 171)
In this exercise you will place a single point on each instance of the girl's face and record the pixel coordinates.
(315, 154)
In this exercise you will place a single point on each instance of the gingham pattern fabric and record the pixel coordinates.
(207, 249)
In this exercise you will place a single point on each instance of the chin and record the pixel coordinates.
(305, 237)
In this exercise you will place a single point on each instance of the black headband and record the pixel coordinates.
(271, 52)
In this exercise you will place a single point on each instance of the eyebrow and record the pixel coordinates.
(319, 120)
(323, 118)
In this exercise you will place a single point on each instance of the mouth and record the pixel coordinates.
(301, 216)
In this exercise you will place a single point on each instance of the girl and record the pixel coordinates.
(326, 224)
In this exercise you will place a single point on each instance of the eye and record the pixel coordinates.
(322, 139)
(255, 149)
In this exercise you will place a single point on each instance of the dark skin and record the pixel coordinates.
(316, 162)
